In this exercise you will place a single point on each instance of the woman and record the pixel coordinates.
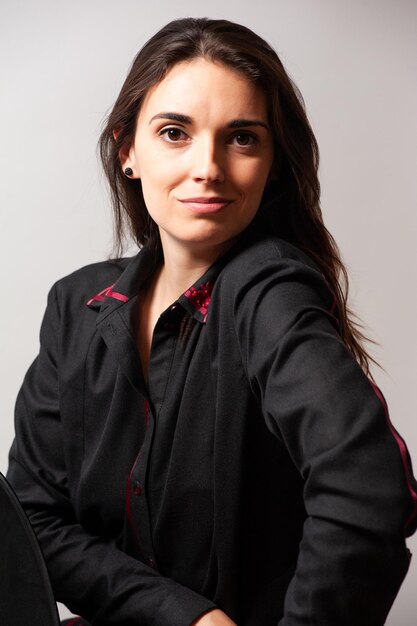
(198, 441)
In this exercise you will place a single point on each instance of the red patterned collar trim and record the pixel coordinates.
(200, 298)
(108, 293)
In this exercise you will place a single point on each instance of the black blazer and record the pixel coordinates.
(258, 471)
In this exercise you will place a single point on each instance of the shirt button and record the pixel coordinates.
(137, 489)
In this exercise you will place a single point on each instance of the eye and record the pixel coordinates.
(244, 139)
(172, 134)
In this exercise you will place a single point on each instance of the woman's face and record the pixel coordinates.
(203, 150)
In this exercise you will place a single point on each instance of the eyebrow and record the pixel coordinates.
(186, 119)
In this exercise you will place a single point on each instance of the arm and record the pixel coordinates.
(88, 573)
(359, 493)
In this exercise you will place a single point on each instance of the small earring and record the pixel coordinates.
(128, 171)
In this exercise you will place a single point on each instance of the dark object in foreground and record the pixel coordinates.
(25, 592)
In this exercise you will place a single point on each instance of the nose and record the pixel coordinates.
(207, 165)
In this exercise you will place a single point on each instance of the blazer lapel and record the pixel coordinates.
(116, 307)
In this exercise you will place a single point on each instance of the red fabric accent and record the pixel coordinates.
(74, 622)
(129, 484)
(404, 455)
(200, 298)
(129, 501)
(146, 414)
(108, 293)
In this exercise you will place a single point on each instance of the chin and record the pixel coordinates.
(213, 238)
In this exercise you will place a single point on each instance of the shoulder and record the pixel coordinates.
(67, 315)
(75, 289)
(269, 255)
(93, 275)
(271, 270)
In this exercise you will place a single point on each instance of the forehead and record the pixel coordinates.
(204, 87)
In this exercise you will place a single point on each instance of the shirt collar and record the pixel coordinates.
(195, 300)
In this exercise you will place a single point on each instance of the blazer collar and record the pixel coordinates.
(195, 300)
(127, 286)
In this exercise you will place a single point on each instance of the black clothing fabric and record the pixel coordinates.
(257, 471)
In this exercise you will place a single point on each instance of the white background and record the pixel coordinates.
(61, 67)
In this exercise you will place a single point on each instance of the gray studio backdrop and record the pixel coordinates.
(62, 64)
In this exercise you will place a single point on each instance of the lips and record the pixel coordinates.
(206, 205)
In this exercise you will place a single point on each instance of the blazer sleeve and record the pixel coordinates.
(359, 493)
(89, 574)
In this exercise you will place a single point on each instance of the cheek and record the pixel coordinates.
(251, 178)
(160, 172)
(253, 171)
(157, 181)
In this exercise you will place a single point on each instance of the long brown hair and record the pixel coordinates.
(291, 201)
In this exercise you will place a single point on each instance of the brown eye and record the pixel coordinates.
(172, 135)
(245, 139)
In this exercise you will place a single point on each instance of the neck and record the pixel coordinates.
(182, 266)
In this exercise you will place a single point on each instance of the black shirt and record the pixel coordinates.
(258, 471)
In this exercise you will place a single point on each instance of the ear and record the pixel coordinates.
(127, 156)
